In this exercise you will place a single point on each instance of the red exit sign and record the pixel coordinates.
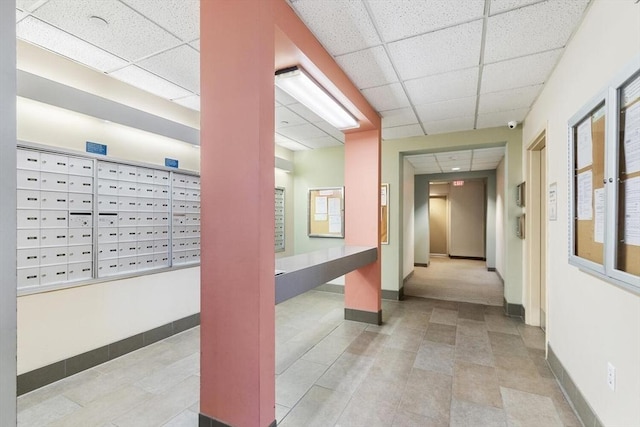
(458, 183)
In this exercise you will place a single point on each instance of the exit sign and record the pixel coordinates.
(458, 183)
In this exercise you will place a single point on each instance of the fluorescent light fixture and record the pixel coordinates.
(455, 169)
(301, 86)
(149, 82)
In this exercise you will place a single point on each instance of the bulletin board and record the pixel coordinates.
(628, 241)
(589, 197)
(326, 212)
(384, 214)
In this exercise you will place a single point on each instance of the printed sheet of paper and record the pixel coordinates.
(325, 192)
(321, 205)
(632, 139)
(598, 231)
(383, 196)
(320, 217)
(553, 202)
(335, 223)
(585, 195)
(585, 144)
(334, 206)
(632, 211)
(631, 92)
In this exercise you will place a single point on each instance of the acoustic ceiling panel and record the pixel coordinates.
(179, 17)
(368, 67)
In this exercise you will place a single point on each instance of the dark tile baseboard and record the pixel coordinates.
(385, 294)
(363, 316)
(513, 310)
(205, 421)
(572, 393)
(40, 377)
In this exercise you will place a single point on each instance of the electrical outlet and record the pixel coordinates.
(611, 376)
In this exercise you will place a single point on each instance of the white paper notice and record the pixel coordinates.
(383, 196)
(553, 202)
(326, 192)
(598, 232)
(632, 139)
(585, 196)
(585, 144)
(632, 211)
(320, 217)
(335, 223)
(334, 206)
(321, 205)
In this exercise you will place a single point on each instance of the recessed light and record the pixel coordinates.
(98, 21)
(455, 169)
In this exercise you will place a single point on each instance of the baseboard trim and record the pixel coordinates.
(40, 377)
(513, 310)
(206, 421)
(475, 258)
(330, 287)
(421, 264)
(491, 269)
(572, 392)
(385, 293)
(374, 318)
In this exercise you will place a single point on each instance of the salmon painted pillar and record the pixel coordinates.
(362, 223)
(237, 385)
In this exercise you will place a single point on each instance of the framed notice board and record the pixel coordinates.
(604, 145)
(384, 214)
(326, 212)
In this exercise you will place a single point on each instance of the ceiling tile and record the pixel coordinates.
(322, 142)
(289, 144)
(27, 4)
(399, 117)
(402, 132)
(180, 17)
(388, 97)
(498, 6)
(37, 32)
(488, 153)
(501, 118)
(337, 134)
(531, 29)
(511, 99)
(457, 84)
(305, 112)
(341, 26)
(150, 82)
(192, 102)
(74, 17)
(525, 71)
(20, 14)
(368, 68)
(180, 66)
(399, 19)
(283, 97)
(196, 45)
(302, 133)
(447, 109)
(449, 125)
(286, 117)
(437, 52)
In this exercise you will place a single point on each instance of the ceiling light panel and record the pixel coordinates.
(525, 71)
(116, 37)
(498, 6)
(512, 99)
(447, 109)
(335, 133)
(368, 68)
(180, 66)
(399, 117)
(305, 113)
(456, 84)
(180, 17)
(531, 29)
(501, 118)
(39, 33)
(400, 19)
(341, 26)
(145, 80)
(283, 97)
(192, 102)
(402, 132)
(449, 125)
(388, 97)
(286, 117)
(438, 52)
(302, 132)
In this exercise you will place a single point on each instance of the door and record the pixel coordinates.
(543, 238)
(438, 225)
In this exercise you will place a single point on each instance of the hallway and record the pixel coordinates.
(432, 363)
(456, 280)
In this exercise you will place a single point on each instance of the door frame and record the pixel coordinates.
(534, 217)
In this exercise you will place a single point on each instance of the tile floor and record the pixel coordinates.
(432, 363)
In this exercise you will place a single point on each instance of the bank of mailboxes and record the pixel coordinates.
(129, 207)
(279, 219)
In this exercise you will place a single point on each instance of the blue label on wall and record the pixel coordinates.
(95, 148)
(170, 163)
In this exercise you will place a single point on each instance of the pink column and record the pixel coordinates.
(362, 223)
(237, 166)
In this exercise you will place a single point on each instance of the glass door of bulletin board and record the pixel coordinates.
(326, 212)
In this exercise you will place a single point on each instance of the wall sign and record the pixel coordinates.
(170, 163)
(96, 148)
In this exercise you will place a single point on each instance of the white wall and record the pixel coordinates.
(500, 218)
(408, 217)
(590, 322)
(466, 219)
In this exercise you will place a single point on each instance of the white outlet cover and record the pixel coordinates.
(611, 376)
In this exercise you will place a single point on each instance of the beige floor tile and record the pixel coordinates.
(436, 357)
(406, 339)
(428, 394)
(367, 344)
(469, 414)
(162, 380)
(532, 336)
(529, 410)
(392, 363)
(293, 383)
(415, 320)
(445, 334)
(472, 328)
(375, 387)
(346, 374)
(47, 411)
(329, 349)
(507, 344)
(281, 412)
(474, 349)
(185, 418)
(444, 316)
(409, 419)
(320, 407)
(501, 323)
(476, 383)
(367, 412)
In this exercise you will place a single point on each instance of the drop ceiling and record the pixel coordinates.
(427, 66)
(457, 161)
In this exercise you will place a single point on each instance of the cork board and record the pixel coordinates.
(384, 214)
(326, 212)
(586, 244)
